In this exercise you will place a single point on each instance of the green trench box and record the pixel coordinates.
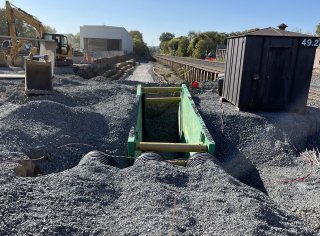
(192, 133)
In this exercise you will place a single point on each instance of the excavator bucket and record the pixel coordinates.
(38, 77)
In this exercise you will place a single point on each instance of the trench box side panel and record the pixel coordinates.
(192, 129)
(136, 133)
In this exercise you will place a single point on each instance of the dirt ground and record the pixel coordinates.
(167, 74)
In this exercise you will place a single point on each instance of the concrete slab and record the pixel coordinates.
(49, 48)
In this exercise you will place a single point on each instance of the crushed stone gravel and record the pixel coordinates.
(245, 195)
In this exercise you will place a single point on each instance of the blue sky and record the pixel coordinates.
(153, 17)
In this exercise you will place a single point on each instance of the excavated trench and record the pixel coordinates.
(43, 162)
(161, 125)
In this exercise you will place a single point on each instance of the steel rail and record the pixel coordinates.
(196, 63)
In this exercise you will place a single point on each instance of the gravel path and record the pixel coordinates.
(246, 195)
(142, 73)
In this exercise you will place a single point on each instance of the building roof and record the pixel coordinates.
(270, 31)
(104, 26)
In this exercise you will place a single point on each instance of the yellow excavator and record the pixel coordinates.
(63, 49)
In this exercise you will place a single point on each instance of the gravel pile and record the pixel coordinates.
(267, 150)
(243, 196)
(315, 81)
(152, 199)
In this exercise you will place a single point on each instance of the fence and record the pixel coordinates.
(221, 54)
(90, 57)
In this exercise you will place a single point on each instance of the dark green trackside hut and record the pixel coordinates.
(269, 69)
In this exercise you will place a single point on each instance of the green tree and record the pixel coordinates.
(164, 49)
(49, 29)
(136, 34)
(318, 29)
(191, 46)
(195, 44)
(182, 47)
(173, 45)
(139, 47)
(199, 50)
(166, 36)
(212, 40)
(165, 46)
(209, 41)
(74, 39)
(154, 50)
(192, 35)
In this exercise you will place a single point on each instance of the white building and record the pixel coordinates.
(101, 38)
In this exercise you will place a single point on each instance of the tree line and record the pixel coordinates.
(195, 44)
(140, 48)
(198, 44)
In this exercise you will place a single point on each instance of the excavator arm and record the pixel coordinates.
(64, 50)
(14, 13)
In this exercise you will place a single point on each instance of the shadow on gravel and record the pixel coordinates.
(65, 81)
(39, 162)
(314, 130)
(237, 165)
(231, 159)
(283, 135)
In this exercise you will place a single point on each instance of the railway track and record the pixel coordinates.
(201, 70)
(191, 69)
(314, 94)
(208, 65)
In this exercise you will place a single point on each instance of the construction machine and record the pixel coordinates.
(63, 48)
